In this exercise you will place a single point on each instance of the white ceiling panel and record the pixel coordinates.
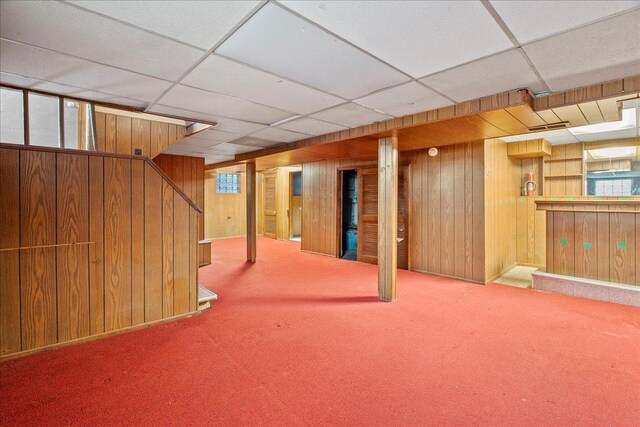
(256, 142)
(418, 37)
(310, 126)
(280, 135)
(562, 139)
(536, 135)
(225, 124)
(212, 158)
(67, 29)
(224, 76)
(406, 99)
(350, 115)
(215, 135)
(488, 76)
(606, 50)
(614, 134)
(277, 41)
(42, 64)
(532, 20)
(186, 97)
(229, 148)
(198, 23)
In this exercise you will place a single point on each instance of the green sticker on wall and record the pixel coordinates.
(563, 242)
(622, 245)
(587, 245)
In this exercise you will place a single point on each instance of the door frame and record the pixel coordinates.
(266, 212)
(289, 210)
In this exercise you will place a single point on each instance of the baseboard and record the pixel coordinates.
(464, 279)
(501, 273)
(95, 337)
(317, 253)
(526, 264)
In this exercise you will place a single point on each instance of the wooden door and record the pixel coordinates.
(368, 216)
(270, 218)
(295, 206)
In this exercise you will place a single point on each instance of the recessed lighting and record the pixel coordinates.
(628, 121)
(285, 120)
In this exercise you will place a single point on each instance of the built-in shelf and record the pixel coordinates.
(563, 160)
(573, 175)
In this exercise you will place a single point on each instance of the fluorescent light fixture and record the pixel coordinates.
(613, 153)
(285, 120)
(628, 121)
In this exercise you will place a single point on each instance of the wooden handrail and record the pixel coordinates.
(104, 154)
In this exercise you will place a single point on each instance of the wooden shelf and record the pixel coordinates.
(574, 175)
(563, 160)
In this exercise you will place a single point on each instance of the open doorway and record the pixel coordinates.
(295, 206)
(349, 230)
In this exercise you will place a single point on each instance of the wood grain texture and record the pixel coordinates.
(138, 215)
(72, 261)
(153, 245)
(141, 136)
(123, 135)
(96, 250)
(193, 259)
(387, 217)
(10, 339)
(181, 260)
(167, 250)
(117, 232)
(37, 266)
(250, 212)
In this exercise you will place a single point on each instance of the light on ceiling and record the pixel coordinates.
(285, 120)
(628, 121)
(613, 153)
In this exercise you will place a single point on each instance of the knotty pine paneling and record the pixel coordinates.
(84, 246)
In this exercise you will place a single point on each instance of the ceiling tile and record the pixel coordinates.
(614, 134)
(228, 77)
(553, 16)
(225, 124)
(418, 37)
(210, 159)
(277, 41)
(213, 103)
(350, 115)
(311, 126)
(406, 99)
(199, 23)
(28, 61)
(488, 76)
(606, 50)
(256, 142)
(215, 135)
(280, 135)
(67, 29)
(562, 139)
(229, 148)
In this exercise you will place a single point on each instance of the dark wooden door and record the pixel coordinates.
(368, 216)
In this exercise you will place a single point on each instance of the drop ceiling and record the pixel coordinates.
(273, 72)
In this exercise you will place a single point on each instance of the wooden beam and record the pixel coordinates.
(387, 217)
(251, 211)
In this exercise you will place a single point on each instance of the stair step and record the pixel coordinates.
(205, 295)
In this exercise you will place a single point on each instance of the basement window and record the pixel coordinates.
(228, 183)
(11, 116)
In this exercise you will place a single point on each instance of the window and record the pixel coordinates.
(44, 120)
(11, 116)
(613, 187)
(297, 184)
(77, 124)
(228, 183)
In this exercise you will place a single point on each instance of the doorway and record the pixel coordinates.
(349, 227)
(295, 206)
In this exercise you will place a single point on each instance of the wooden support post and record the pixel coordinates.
(251, 211)
(387, 217)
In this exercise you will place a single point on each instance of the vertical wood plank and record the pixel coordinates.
(604, 267)
(478, 211)
(167, 249)
(37, 266)
(459, 205)
(153, 290)
(251, 211)
(434, 213)
(387, 217)
(111, 134)
(141, 136)
(117, 231)
(10, 339)
(586, 246)
(138, 215)
(181, 238)
(72, 261)
(447, 194)
(468, 210)
(101, 131)
(564, 243)
(193, 259)
(123, 135)
(622, 246)
(96, 250)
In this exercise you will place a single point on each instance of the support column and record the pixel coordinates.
(387, 217)
(251, 211)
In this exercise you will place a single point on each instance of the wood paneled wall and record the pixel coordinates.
(563, 171)
(530, 223)
(187, 173)
(225, 214)
(595, 241)
(123, 134)
(90, 244)
(502, 188)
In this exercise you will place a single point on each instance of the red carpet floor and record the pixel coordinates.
(300, 339)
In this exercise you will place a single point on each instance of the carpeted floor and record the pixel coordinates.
(300, 339)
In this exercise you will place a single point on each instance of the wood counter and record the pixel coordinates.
(594, 238)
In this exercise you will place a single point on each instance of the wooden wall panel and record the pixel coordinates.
(141, 136)
(96, 249)
(167, 249)
(117, 232)
(586, 234)
(10, 339)
(72, 261)
(37, 265)
(159, 138)
(153, 245)
(85, 243)
(622, 248)
(225, 213)
(137, 242)
(123, 135)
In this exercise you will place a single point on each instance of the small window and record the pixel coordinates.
(613, 187)
(228, 183)
(297, 184)
(77, 124)
(11, 116)
(44, 121)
